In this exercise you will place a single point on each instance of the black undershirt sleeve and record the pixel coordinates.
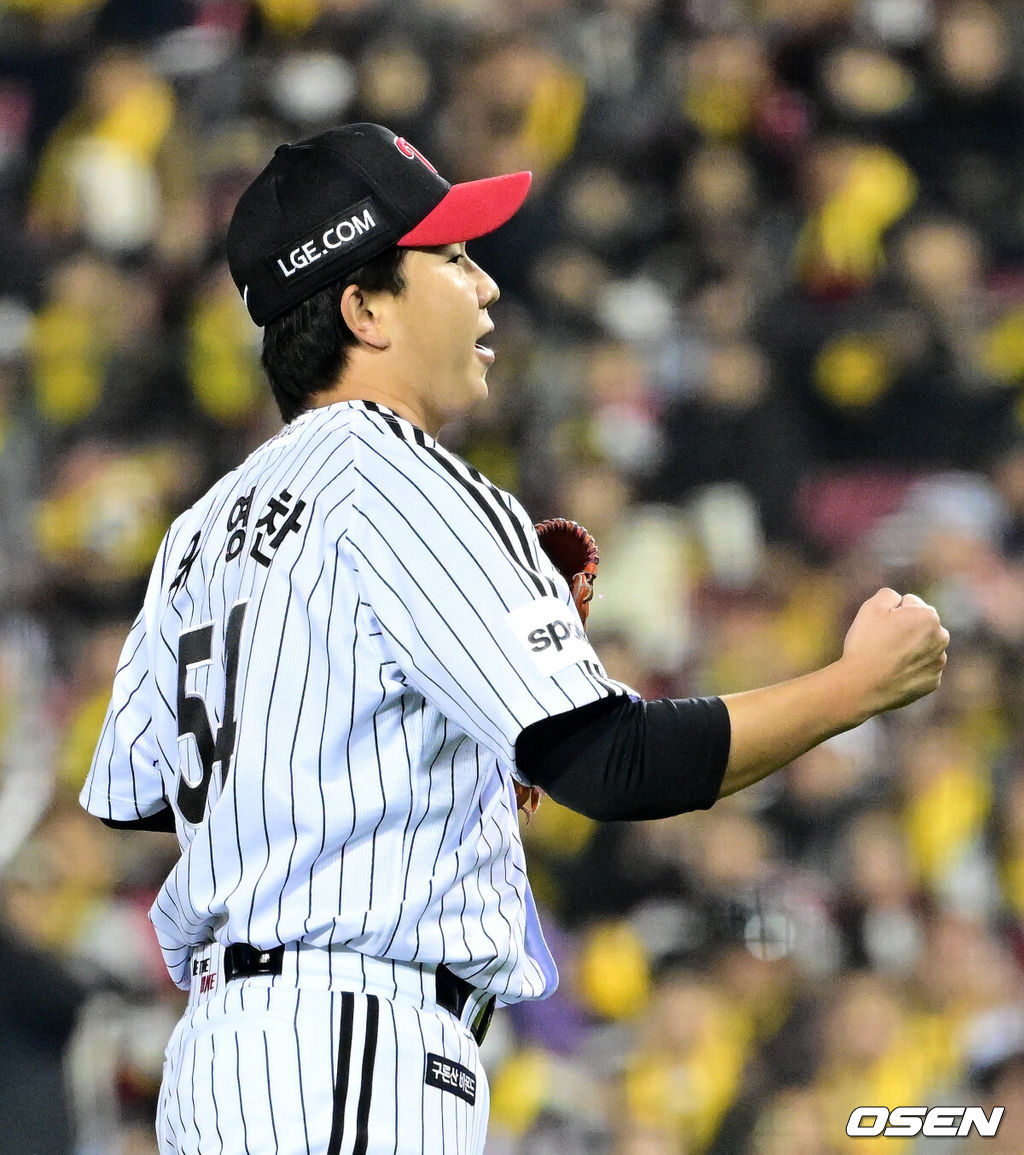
(162, 820)
(625, 759)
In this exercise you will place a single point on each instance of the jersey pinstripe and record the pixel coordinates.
(339, 646)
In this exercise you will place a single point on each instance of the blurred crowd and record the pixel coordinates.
(761, 331)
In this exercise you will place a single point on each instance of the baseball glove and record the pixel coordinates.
(574, 554)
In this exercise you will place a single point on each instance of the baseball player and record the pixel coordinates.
(354, 657)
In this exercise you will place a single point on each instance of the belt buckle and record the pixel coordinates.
(244, 961)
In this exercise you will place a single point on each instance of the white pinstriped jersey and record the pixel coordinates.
(340, 643)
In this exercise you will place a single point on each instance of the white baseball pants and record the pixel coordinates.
(261, 1066)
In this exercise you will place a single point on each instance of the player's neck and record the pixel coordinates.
(361, 390)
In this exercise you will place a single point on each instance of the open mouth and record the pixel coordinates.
(484, 353)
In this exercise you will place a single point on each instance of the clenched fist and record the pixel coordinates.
(894, 653)
(895, 650)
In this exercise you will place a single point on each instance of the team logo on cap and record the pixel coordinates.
(413, 153)
(339, 235)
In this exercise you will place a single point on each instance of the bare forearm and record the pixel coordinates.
(893, 654)
(773, 725)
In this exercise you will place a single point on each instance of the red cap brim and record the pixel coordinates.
(470, 210)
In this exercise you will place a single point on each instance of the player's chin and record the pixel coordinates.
(463, 398)
(479, 390)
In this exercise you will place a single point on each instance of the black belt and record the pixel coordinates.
(453, 993)
(243, 961)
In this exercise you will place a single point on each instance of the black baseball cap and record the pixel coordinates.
(326, 205)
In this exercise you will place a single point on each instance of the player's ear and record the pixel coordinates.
(358, 313)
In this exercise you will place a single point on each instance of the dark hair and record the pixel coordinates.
(305, 349)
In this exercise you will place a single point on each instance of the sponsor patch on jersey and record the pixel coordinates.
(447, 1075)
(552, 635)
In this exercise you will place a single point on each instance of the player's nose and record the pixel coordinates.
(487, 290)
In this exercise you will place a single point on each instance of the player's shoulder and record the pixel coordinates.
(399, 459)
(385, 441)
(315, 447)
(380, 427)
